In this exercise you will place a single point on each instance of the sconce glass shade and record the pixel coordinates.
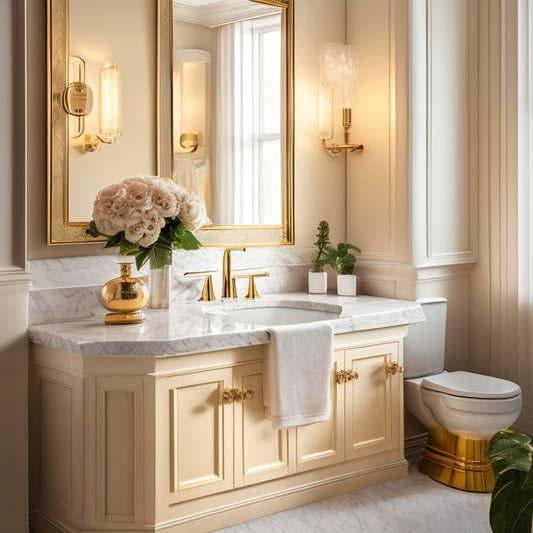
(194, 91)
(339, 68)
(325, 111)
(110, 103)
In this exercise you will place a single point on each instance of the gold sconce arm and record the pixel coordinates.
(336, 149)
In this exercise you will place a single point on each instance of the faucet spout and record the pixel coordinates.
(228, 290)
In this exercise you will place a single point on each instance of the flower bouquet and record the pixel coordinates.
(147, 217)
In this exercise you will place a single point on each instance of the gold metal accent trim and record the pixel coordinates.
(457, 461)
(346, 376)
(124, 318)
(236, 395)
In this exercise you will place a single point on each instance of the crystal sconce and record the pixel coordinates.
(338, 76)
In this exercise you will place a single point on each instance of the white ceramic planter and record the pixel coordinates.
(317, 282)
(346, 285)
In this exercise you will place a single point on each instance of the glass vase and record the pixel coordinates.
(160, 276)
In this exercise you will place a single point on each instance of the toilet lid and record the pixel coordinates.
(471, 385)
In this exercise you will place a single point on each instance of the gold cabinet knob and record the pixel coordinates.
(393, 368)
(346, 376)
(236, 395)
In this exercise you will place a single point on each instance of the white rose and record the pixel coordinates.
(139, 191)
(164, 199)
(111, 209)
(192, 212)
(144, 227)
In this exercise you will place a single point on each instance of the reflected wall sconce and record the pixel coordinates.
(78, 103)
(338, 75)
(193, 88)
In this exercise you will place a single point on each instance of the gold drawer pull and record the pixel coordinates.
(346, 376)
(236, 395)
(393, 369)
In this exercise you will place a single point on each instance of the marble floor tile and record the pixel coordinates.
(416, 504)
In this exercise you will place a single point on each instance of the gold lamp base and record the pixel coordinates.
(133, 317)
(124, 297)
(457, 461)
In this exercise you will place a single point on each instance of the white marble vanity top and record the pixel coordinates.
(197, 327)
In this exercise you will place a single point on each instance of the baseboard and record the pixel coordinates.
(414, 447)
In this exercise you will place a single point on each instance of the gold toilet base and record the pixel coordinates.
(457, 461)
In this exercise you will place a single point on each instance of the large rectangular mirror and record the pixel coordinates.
(156, 52)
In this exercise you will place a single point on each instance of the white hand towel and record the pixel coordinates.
(297, 374)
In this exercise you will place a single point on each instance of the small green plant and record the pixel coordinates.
(341, 258)
(322, 240)
(511, 506)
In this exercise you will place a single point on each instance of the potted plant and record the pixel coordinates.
(317, 278)
(342, 260)
(511, 506)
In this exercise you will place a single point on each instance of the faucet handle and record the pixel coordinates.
(252, 289)
(208, 294)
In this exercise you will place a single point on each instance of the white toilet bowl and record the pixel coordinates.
(465, 404)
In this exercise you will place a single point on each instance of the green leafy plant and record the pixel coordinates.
(322, 240)
(511, 506)
(341, 258)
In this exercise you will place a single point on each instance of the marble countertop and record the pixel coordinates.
(202, 327)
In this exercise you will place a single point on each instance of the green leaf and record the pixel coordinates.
(510, 450)
(511, 508)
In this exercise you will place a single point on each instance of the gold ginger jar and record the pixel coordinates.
(124, 297)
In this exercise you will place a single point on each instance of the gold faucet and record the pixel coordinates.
(228, 287)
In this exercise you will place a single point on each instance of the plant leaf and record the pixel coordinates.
(510, 450)
(511, 507)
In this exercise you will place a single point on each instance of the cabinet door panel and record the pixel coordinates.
(201, 429)
(261, 452)
(322, 443)
(372, 422)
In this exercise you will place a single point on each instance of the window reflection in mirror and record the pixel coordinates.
(229, 108)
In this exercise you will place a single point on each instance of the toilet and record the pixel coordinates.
(460, 410)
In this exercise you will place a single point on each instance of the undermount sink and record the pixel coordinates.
(282, 313)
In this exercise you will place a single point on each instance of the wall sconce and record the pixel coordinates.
(193, 98)
(78, 103)
(338, 74)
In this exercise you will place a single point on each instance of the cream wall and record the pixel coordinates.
(14, 279)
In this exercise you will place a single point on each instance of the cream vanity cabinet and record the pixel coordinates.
(180, 443)
(218, 436)
(366, 392)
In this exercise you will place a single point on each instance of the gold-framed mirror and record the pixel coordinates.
(145, 54)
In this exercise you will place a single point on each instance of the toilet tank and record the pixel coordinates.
(425, 341)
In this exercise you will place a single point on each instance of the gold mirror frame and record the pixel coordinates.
(59, 229)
